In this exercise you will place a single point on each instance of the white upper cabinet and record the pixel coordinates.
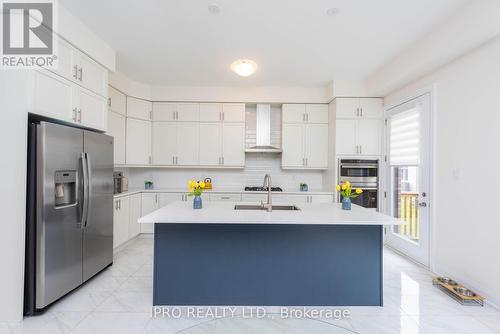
(170, 112)
(359, 137)
(92, 109)
(54, 96)
(305, 136)
(117, 101)
(210, 144)
(164, 111)
(305, 113)
(117, 125)
(370, 137)
(188, 112)
(293, 146)
(316, 148)
(91, 75)
(210, 112)
(138, 142)
(79, 68)
(233, 144)
(138, 108)
(233, 112)
(355, 108)
(164, 143)
(347, 107)
(371, 108)
(187, 144)
(175, 143)
(293, 113)
(57, 97)
(346, 137)
(317, 113)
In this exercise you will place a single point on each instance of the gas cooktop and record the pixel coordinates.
(262, 189)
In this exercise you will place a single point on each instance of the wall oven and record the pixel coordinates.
(361, 174)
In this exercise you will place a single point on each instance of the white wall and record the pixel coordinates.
(14, 90)
(468, 28)
(256, 166)
(241, 94)
(16, 94)
(129, 87)
(466, 229)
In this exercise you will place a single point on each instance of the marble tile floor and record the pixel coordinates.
(119, 301)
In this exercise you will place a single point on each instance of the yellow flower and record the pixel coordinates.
(202, 184)
(337, 187)
(358, 191)
(344, 187)
(347, 183)
(191, 185)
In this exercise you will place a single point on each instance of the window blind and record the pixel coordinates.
(405, 138)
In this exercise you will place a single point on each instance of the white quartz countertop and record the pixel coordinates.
(219, 191)
(309, 214)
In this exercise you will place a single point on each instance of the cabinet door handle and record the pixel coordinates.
(303, 117)
(74, 114)
(307, 117)
(75, 72)
(361, 111)
(222, 157)
(307, 162)
(80, 71)
(79, 114)
(173, 160)
(360, 149)
(223, 116)
(109, 102)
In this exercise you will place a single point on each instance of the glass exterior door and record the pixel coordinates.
(408, 143)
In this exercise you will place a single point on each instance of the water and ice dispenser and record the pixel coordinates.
(65, 188)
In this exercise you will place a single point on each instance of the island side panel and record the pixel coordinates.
(268, 265)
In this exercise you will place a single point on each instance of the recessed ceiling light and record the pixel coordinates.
(244, 67)
(332, 11)
(214, 8)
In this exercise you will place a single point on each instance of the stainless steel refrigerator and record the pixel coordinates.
(69, 231)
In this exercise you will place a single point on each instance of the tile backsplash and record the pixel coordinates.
(256, 166)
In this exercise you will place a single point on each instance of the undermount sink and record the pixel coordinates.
(261, 207)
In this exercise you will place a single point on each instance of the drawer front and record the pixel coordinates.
(225, 197)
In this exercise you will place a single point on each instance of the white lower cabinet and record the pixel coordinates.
(138, 142)
(134, 228)
(121, 216)
(150, 203)
(224, 197)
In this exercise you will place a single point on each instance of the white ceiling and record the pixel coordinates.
(294, 42)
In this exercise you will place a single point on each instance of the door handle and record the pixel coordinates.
(80, 71)
(79, 115)
(84, 212)
(89, 184)
(422, 204)
(74, 114)
(361, 146)
(109, 102)
(75, 72)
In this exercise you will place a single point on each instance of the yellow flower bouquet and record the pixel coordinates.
(347, 192)
(196, 189)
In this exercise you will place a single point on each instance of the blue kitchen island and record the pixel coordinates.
(319, 255)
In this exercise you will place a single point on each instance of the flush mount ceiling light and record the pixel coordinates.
(332, 11)
(214, 8)
(244, 67)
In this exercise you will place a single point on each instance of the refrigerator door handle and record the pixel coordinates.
(84, 212)
(89, 186)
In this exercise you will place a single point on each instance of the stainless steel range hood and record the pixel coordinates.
(263, 131)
